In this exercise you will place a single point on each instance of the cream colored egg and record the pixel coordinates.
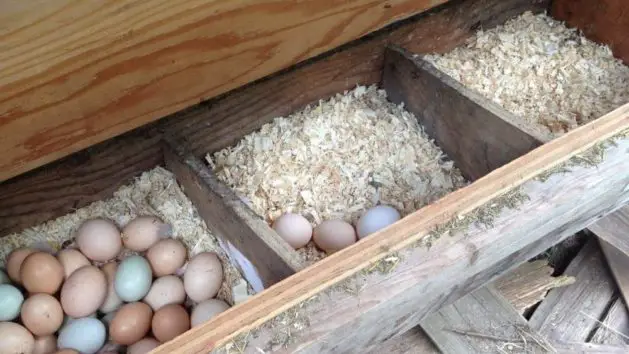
(71, 260)
(84, 292)
(99, 239)
(143, 232)
(45, 345)
(166, 256)
(41, 272)
(294, 229)
(15, 339)
(143, 346)
(206, 310)
(14, 263)
(203, 276)
(42, 314)
(112, 300)
(165, 290)
(334, 235)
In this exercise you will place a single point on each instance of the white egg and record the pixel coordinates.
(86, 335)
(375, 219)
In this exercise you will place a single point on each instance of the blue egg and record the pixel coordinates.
(11, 300)
(133, 279)
(85, 335)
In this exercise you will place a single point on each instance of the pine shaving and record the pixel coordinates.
(155, 192)
(548, 75)
(336, 159)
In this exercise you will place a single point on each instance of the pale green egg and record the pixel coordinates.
(133, 279)
(11, 300)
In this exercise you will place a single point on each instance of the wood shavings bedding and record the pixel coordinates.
(335, 160)
(155, 192)
(543, 72)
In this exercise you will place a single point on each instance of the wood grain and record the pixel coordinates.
(618, 263)
(472, 131)
(614, 229)
(427, 279)
(230, 219)
(76, 73)
(604, 21)
(589, 348)
(482, 322)
(222, 121)
(614, 328)
(570, 314)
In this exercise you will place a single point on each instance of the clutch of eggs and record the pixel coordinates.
(79, 297)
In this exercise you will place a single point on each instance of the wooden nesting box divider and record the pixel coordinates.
(527, 193)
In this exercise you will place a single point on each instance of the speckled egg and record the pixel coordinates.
(334, 235)
(375, 219)
(203, 276)
(86, 335)
(99, 239)
(133, 278)
(15, 339)
(42, 314)
(11, 300)
(143, 232)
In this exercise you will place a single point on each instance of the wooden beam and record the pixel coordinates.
(604, 21)
(341, 321)
(618, 264)
(589, 348)
(570, 314)
(614, 328)
(482, 322)
(73, 74)
(230, 219)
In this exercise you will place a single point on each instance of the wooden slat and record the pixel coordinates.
(604, 21)
(482, 322)
(614, 229)
(426, 279)
(570, 314)
(614, 328)
(230, 219)
(221, 121)
(73, 74)
(618, 264)
(589, 348)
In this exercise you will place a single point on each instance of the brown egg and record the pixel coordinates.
(14, 263)
(15, 339)
(45, 345)
(67, 351)
(42, 314)
(203, 276)
(294, 229)
(71, 260)
(41, 273)
(112, 300)
(334, 235)
(143, 232)
(131, 323)
(169, 322)
(166, 256)
(143, 346)
(99, 239)
(164, 291)
(84, 292)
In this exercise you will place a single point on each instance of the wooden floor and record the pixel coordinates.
(581, 310)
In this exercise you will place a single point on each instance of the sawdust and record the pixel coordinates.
(548, 75)
(336, 159)
(155, 192)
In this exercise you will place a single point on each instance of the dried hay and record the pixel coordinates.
(336, 159)
(155, 192)
(548, 75)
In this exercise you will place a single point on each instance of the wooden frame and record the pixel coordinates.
(525, 207)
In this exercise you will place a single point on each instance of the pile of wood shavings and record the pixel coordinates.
(337, 159)
(543, 72)
(155, 192)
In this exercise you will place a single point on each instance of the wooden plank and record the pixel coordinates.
(570, 314)
(604, 21)
(618, 264)
(230, 219)
(472, 131)
(76, 73)
(614, 328)
(425, 279)
(614, 229)
(589, 348)
(221, 121)
(482, 322)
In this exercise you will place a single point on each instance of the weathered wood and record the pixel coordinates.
(426, 279)
(73, 74)
(528, 284)
(230, 219)
(604, 21)
(477, 134)
(482, 322)
(589, 348)
(614, 229)
(570, 314)
(223, 120)
(414, 341)
(614, 328)
(618, 264)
